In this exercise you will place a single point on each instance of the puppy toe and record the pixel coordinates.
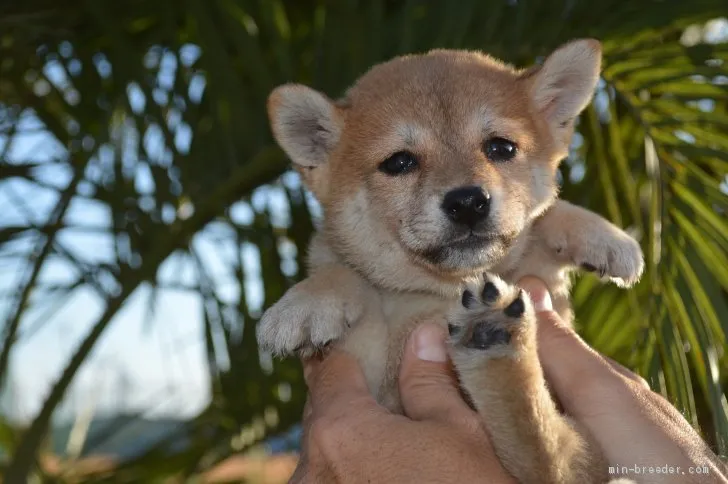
(468, 299)
(490, 292)
(517, 307)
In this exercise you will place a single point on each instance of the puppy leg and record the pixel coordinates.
(581, 238)
(493, 347)
(314, 312)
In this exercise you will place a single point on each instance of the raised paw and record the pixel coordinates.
(617, 256)
(305, 320)
(581, 238)
(606, 251)
(495, 319)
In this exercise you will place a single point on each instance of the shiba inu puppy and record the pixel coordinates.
(436, 175)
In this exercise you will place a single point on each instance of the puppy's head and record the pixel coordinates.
(442, 158)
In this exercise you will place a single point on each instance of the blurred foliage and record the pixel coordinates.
(158, 110)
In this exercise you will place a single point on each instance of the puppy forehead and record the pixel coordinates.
(451, 96)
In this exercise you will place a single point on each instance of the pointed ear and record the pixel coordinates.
(563, 86)
(305, 123)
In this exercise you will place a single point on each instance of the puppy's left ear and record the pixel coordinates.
(563, 86)
(306, 124)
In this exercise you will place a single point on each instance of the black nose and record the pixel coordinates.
(466, 205)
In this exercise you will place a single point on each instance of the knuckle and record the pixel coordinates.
(426, 380)
(590, 389)
(640, 383)
(429, 392)
(625, 389)
(326, 435)
(627, 384)
(318, 432)
(471, 425)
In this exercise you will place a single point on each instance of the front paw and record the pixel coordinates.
(616, 256)
(496, 320)
(611, 253)
(305, 320)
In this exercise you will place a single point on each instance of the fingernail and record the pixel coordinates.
(542, 302)
(430, 343)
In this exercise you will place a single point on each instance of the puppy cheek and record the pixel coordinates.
(508, 213)
(391, 206)
(501, 208)
(542, 189)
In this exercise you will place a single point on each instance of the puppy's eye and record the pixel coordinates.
(399, 163)
(500, 149)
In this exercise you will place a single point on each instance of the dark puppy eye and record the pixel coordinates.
(399, 163)
(500, 149)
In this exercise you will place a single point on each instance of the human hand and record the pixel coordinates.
(636, 428)
(349, 438)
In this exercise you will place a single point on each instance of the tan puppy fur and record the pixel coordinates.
(432, 170)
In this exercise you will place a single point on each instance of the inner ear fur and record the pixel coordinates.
(563, 86)
(305, 123)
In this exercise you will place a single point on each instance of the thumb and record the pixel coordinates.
(428, 386)
(575, 371)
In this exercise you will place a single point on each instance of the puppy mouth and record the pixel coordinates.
(465, 245)
(471, 241)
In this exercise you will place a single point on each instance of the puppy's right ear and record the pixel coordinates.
(563, 86)
(306, 124)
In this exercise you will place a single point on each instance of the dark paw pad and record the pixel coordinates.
(486, 336)
(490, 292)
(468, 299)
(516, 308)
